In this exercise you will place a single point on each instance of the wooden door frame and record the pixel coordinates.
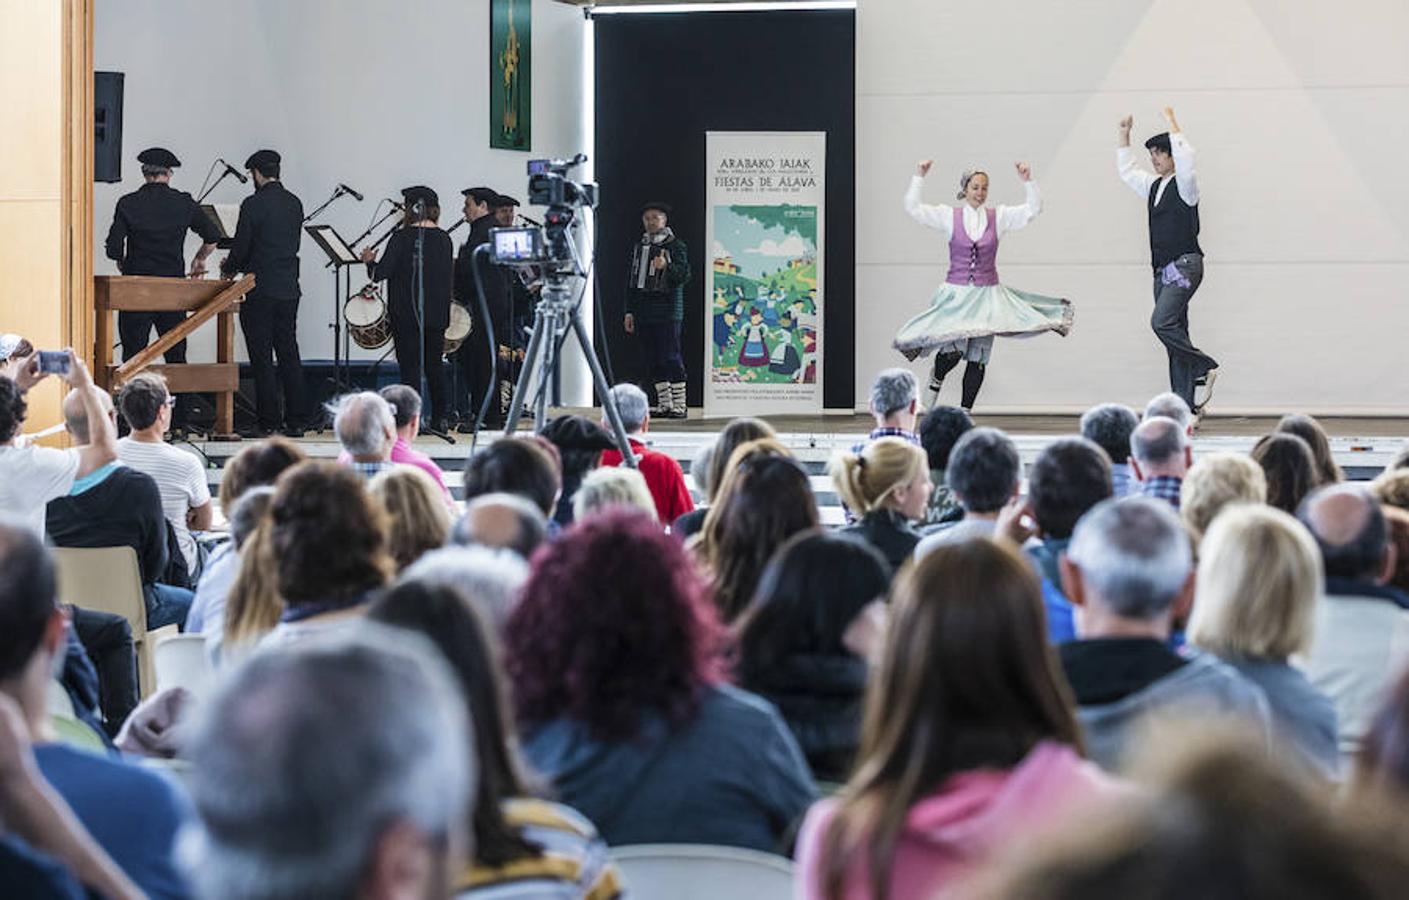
(77, 191)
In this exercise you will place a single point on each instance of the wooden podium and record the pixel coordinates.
(203, 300)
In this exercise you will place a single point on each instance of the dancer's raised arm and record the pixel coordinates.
(1011, 218)
(1183, 154)
(939, 216)
(1137, 178)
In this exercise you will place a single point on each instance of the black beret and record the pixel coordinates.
(422, 193)
(159, 156)
(504, 200)
(577, 433)
(261, 159)
(656, 204)
(481, 194)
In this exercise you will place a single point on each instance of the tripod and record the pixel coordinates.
(552, 317)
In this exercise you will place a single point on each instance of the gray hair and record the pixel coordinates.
(633, 406)
(1170, 406)
(1158, 440)
(76, 414)
(307, 755)
(490, 578)
(1135, 555)
(154, 171)
(893, 390)
(532, 524)
(702, 468)
(362, 421)
(608, 488)
(1109, 426)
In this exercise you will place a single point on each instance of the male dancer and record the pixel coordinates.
(1174, 250)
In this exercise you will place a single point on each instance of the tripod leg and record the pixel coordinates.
(584, 340)
(530, 359)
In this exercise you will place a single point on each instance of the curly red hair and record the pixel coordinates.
(614, 622)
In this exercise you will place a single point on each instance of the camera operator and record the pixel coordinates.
(655, 306)
(481, 370)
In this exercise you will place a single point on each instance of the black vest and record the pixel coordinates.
(1174, 226)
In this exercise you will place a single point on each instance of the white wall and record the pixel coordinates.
(373, 94)
(1297, 111)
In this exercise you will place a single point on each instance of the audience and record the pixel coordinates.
(1160, 456)
(709, 480)
(489, 579)
(313, 776)
(580, 443)
(515, 466)
(1129, 572)
(765, 499)
(984, 473)
(418, 520)
(1382, 766)
(895, 405)
(524, 846)
(328, 540)
(940, 430)
(614, 655)
(1391, 488)
(1398, 521)
(253, 606)
(132, 813)
(1259, 578)
(30, 475)
(1170, 406)
(1362, 625)
(1109, 426)
(181, 477)
(805, 642)
(1310, 430)
(968, 742)
(366, 429)
(1068, 478)
(607, 489)
(1214, 483)
(501, 521)
(663, 474)
(887, 483)
(1289, 468)
(16, 356)
(405, 405)
(257, 465)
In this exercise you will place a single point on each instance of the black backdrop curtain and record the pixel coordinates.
(663, 80)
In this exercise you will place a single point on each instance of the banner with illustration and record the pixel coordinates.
(764, 218)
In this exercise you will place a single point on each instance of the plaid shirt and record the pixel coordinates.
(887, 431)
(1163, 487)
(369, 469)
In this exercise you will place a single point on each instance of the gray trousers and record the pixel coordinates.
(1170, 322)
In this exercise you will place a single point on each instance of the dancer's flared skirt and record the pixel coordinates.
(961, 312)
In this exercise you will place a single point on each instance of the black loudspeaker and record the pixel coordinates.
(107, 126)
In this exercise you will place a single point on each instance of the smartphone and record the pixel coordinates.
(53, 362)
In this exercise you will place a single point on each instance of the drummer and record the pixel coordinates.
(418, 349)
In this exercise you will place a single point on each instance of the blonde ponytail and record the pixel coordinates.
(866, 480)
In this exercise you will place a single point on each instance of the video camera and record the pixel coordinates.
(548, 185)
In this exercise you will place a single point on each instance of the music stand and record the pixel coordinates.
(221, 216)
(340, 257)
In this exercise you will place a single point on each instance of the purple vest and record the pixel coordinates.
(973, 262)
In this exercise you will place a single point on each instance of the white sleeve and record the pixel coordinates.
(939, 217)
(197, 489)
(1138, 179)
(52, 472)
(1011, 218)
(1184, 176)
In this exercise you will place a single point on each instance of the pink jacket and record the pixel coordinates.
(949, 833)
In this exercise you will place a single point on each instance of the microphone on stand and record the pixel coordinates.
(231, 170)
(347, 190)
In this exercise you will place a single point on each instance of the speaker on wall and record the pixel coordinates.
(107, 126)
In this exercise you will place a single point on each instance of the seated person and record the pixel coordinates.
(185, 496)
(521, 466)
(663, 474)
(501, 522)
(984, 473)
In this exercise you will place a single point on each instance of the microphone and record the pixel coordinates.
(396, 204)
(234, 171)
(531, 221)
(347, 190)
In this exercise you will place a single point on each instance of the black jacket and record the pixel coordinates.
(266, 241)
(496, 280)
(148, 234)
(889, 532)
(122, 510)
(397, 268)
(820, 697)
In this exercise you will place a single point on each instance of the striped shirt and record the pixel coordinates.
(180, 477)
(574, 864)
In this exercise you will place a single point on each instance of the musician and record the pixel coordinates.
(416, 347)
(484, 372)
(266, 244)
(655, 306)
(523, 298)
(148, 237)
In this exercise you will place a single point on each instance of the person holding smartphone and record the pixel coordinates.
(31, 476)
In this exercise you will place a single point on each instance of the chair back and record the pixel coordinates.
(699, 871)
(181, 661)
(106, 579)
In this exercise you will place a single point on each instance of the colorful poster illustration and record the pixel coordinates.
(510, 74)
(765, 290)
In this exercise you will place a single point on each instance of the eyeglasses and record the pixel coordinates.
(170, 400)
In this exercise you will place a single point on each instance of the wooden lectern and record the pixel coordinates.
(204, 300)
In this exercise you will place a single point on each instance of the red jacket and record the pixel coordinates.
(663, 476)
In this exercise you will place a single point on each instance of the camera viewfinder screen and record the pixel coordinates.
(517, 244)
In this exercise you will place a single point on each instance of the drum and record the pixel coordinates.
(461, 324)
(366, 315)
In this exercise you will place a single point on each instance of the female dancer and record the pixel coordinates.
(971, 306)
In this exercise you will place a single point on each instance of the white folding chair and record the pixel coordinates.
(181, 661)
(702, 872)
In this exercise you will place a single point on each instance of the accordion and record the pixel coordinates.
(643, 277)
